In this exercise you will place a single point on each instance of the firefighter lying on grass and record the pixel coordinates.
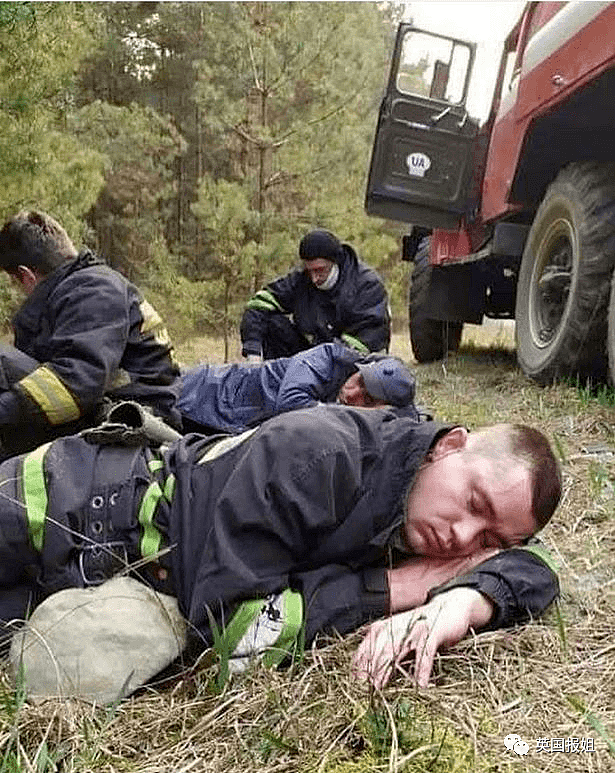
(319, 520)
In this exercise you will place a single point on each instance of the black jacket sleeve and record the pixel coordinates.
(278, 296)
(367, 324)
(340, 599)
(89, 318)
(282, 495)
(521, 583)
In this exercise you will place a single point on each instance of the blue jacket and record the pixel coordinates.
(231, 398)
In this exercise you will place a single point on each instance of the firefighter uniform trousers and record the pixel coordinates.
(73, 514)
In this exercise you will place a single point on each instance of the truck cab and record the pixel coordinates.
(511, 217)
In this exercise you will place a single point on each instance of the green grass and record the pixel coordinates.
(554, 678)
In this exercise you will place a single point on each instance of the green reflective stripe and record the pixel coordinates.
(293, 620)
(541, 552)
(35, 495)
(155, 464)
(169, 487)
(264, 301)
(243, 618)
(354, 343)
(151, 538)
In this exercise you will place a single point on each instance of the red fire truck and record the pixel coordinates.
(513, 217)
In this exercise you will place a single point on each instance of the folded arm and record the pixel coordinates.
(505, 589)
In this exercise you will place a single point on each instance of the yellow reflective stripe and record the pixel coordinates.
(264, 300)
(354, 343)
(151, 318)
(152, 323)
(151, 538)
(220, 447)
(50, 394)
(35, 495)
(293, 620)
(540, 551)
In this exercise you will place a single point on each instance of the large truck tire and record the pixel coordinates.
(431, 339)
(565, 277)
(611, 333)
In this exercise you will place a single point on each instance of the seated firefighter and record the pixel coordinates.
(319, 520)
(231, 398)
(83, 336)
(333, 297)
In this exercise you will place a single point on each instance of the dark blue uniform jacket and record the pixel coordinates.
(231, 398)
(355, 310)
(90, 334)
(310, 501)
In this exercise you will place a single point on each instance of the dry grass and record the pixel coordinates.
(553, 679)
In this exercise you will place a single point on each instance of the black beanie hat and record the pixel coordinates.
(321, 244)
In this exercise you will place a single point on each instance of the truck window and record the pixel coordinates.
(433, 67)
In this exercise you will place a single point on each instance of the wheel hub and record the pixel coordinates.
(552, 281)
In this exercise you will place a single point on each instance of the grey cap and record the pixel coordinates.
(389, 380)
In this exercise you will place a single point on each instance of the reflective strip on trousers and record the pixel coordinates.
(35, 495)
(268, 627)
(151, 539)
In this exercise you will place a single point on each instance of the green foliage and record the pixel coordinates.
(139, 148)
(10, 299)
(133, 123)
(289, 93)
(223, 208)
(183, 304)
(592, 720)
(41, 46)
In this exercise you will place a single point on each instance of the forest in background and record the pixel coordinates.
(192, 144)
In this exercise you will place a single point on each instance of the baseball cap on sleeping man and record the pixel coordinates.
(389, 380)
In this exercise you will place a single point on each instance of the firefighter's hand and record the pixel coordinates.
(443, 621)
(254, 359)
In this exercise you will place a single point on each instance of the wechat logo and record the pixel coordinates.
(514, 743)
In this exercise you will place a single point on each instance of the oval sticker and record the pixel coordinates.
(418, 164)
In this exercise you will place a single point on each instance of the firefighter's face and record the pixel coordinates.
(354, 392)
(461, 501)
(318, 269)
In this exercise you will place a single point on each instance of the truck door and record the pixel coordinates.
(421, 167)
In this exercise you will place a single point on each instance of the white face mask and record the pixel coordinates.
(331, 279)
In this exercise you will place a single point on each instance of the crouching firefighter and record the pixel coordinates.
(319, 520)
(84, 338)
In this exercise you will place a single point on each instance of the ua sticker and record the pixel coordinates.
(418, 164)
